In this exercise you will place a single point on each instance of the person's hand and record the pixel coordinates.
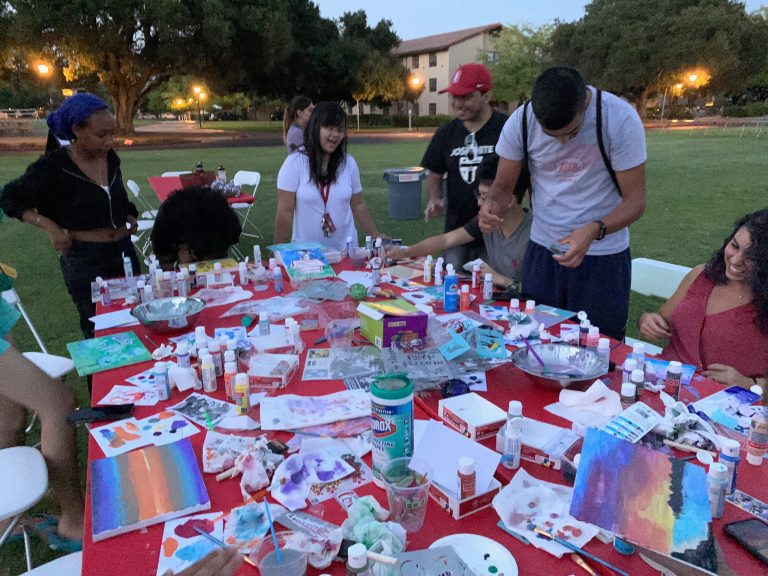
(220, 562)
(397, 253)
(654, 326)
(578, 242)
(132, 224)
(488, 217)
(435, 207)
(727, 375)
(59, 239)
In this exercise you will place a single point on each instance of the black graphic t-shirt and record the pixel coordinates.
(455, 151)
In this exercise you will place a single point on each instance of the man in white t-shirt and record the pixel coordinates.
(579, 206)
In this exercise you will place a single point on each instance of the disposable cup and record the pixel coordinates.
(407, 481)
(358, 256)
(293, 554)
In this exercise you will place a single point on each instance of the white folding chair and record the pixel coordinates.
(149, 213)
(247, 178)
(142, 239)
(179, 173)
(69, 565)
(23, 484)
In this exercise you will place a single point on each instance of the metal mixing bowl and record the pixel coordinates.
(564, 364)
(166, 315)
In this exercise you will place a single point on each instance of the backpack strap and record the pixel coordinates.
(600, 144)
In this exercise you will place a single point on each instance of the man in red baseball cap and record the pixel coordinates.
(456, 150)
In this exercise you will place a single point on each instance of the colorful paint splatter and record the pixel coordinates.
(646, 497)
(182, 544)
(119, 437)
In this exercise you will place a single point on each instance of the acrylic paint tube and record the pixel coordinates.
(488, 287)
(257, 255)
(106, 297)
(717, 488)
(348, 246)
(467, 478)
(730, 458)
(193, 275)
(584, 333)
(758, 439)
(375, 271)
(369, 246)
(162, 384)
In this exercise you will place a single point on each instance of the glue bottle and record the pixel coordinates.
(729, 457)
(512, 432)
(439, 272)
(475, 277)
(427, 275)
(357, 560)
(467, 478)
(717, 488)
(451, 290)
(464, 299)
(208, 373)
(127, 267)
(162, 383)
(758, 439)
(242, 393)
(230, 369)
(604, 354)
(488, 287)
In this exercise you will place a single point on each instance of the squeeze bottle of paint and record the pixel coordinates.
(140, 287)
(512, 432)
(467, 477)
(638, 355)
(218, 361)
(758, 439)
(427, 274)
(193, 275)
(628, 394)
(464, 299)
(488, 287)
(672, 380)
(181, 285)
(277, 280)
(348, 246)
(584, 332)
(230, 369)
(604, 354)
(148, 294)
(514, 306)
(162, 383)
(638, 379)
(475, 276)
(242, 270)
(243, 393)
(626, 370)
(260, 279)
(208, 374)
(593, 339)
(357, 560)
(717, 488)
(451, 290)
(127, 267)
(530, 307)
(263, 324)
(106, 297)
(378, 251)
(729, 457)
(182, 355)
(272, 264)
(256, 255)
(165, 285)
(375, 271)
(439, 272)
(369, 246)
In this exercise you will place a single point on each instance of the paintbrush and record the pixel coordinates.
(536, 355)
(583, 563)
(549, 536)
(221, 543)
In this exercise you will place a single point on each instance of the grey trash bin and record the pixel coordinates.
(404, 187)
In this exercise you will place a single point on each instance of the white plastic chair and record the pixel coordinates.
(247, 178)
(142, 237)
(23, 484)
(656, 278)
(149, 213)
(179, 173)
(69, 565)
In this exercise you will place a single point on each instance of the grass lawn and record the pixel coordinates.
(699, 182)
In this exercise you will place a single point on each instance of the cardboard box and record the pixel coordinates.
(269, 371)
(542, 443)
(472, 415)
(398, 320)
(449, 500)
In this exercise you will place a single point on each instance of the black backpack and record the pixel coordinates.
(524, 179)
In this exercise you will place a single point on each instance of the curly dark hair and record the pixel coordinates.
(324, 114)
(198, 218)
(756, 224)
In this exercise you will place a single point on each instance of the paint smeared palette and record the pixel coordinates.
(145, 487)
(482, 555)
(646, 497)
(119, 437)
(183, 545)
(165, 427)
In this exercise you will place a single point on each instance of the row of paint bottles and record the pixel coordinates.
(513, 430)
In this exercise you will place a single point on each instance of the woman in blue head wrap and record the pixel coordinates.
(77, 197)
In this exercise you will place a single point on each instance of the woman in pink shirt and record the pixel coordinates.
(717, 319)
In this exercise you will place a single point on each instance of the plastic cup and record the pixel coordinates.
(340, 333)
(293, 553)
(407, 483)
(358, 256)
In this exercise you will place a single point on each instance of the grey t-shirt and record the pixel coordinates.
(505, 254)
(571, 185)
(294, 138)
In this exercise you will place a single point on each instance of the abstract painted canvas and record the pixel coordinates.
(183, 544)
(645, 497)
(145, 487)
(107, 352)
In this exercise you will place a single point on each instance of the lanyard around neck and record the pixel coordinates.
(325, 193)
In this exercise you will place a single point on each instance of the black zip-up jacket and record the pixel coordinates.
(55, 187)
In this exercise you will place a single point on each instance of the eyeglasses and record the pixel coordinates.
(453, 387)
(470, 142)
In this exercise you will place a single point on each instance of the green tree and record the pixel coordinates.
(523, 53)
(637, 48)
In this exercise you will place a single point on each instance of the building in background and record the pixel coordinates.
(434, 59)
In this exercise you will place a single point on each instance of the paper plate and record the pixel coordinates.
(473, 549)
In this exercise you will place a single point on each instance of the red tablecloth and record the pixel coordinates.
(136, 553)
(164, 186)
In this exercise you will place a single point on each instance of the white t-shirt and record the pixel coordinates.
(308, 216)
(571, 185)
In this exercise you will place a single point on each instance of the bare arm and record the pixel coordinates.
(457, 237)
(500, 194)
(436, 204)
(363, 217)
(655, 325)
(58, 236)
(286, 206)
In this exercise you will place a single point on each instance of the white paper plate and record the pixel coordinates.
(472, 549)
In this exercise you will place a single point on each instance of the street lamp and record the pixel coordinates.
(43, 69)
(200, 97)
(415, 82)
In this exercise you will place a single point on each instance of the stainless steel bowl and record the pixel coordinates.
(166, 315)
(562, 363)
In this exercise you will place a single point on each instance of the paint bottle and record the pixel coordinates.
(729, 457)
(229, 355)
(230, 369)
(164, 285)
(256, 255)
(106, 297)
(626, 370)
(512, 432)
(127, 267)
(717, 488)
(181, 285)
(451, 290)
(623, 547)
(293, 330)
(242, 270)
(593, 339)
(475, 277)
(182, 355)
(263, 324)
(638, 355)
(242, 393)
(152, 272)
(217, 272)
(148, 295)
(202, 350)
(514, 306)
(348, 246)
(530, 307)
(467, 478)
(140, 287)
(604, 354)
(277, 280)
(439, 272)
(369, 246)
(628, 394)
(584, 332)
(488, 287)
(638, 379)
(260, 279)
(193, 275)
(757, 444)
(391, 421)
(673, 378)
(162, 382)
(427, 274)
(272, 265)
(357, 560)
(218, 360)
(464, 299)
(208, 373)
(378, 251)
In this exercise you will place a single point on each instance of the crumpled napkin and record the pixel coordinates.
(593, 407)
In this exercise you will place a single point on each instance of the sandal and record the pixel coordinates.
(45, 521)
(47, 530)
